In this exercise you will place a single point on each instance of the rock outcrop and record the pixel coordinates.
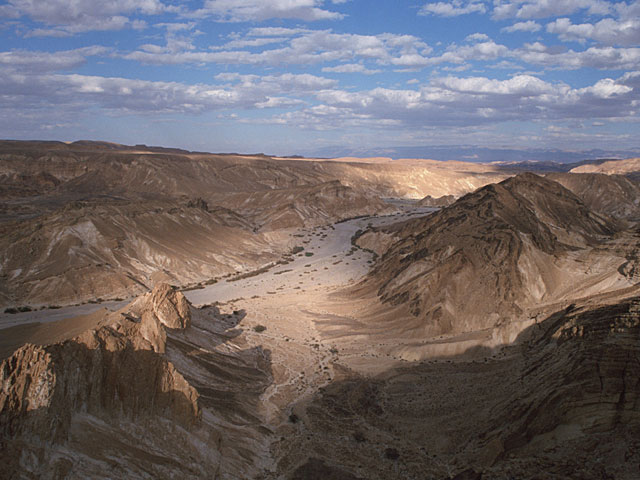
(561, 403)
(439, 202)
(114, 373)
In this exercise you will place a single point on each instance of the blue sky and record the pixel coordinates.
(306, 76)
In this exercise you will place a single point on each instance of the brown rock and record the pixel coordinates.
(170, 307)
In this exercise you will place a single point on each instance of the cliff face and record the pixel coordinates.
(116, 248)
(581, 371)
(151, 391)
(113, 374)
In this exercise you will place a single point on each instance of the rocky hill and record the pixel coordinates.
(614, 195)
(618, 167)
(113, 249)
(492, 256)
(443, 201)
(89, 220)
(116, 401)
(306, 206)
(83, 168)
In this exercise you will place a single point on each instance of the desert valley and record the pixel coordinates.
(177, 314)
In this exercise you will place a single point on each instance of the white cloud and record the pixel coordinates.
(37, 62)
(260, 10)
(607, 31)
(350, 68)
(84, 15)
(548, 8)
(487, 50)
(528, 26)
(73, 93)
(276, 31)
(461, 102)
(453, 8)
(477, 37)
(285, 83)
(605, 58)
(302, 47)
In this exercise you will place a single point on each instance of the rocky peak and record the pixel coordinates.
(160, 308)
(115, 372)
(170, 307)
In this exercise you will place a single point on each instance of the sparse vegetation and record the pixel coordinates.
(282, 271)
(391, 453)
(252, 273)
(259, 328)
(358, 436)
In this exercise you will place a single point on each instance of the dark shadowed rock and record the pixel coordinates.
(316, 469)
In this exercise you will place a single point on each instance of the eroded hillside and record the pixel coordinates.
(499, 253)
(92, 220)
(496, 337)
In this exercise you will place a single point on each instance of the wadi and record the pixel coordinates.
(176, 314)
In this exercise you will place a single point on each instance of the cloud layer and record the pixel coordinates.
(552, 69)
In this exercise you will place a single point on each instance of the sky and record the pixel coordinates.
(304, 77)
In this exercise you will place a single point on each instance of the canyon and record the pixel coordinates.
(174, 314)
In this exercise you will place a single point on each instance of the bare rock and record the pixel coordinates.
(443, 201)
(170, 307)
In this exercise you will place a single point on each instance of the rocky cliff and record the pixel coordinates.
(111, 379)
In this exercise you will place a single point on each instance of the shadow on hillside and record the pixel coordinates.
(569, 383)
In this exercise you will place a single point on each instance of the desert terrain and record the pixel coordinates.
(171, 314)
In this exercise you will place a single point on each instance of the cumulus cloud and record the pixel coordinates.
(482, 50)
(604, 58)
(260, 10)
(38, 62)
(304, 47)
(528, 26)
(281, 46)
(607, 31)
(453, 8)
(548, 8)
(462, 102)
(124, 96)
(351, 68)
(65, 18)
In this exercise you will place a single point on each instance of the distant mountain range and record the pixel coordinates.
(477, 154)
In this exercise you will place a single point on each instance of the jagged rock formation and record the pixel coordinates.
(443, 201)
(579, 381)
(493, 255)
(613, 195)
(111, 373)
(109, 403)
